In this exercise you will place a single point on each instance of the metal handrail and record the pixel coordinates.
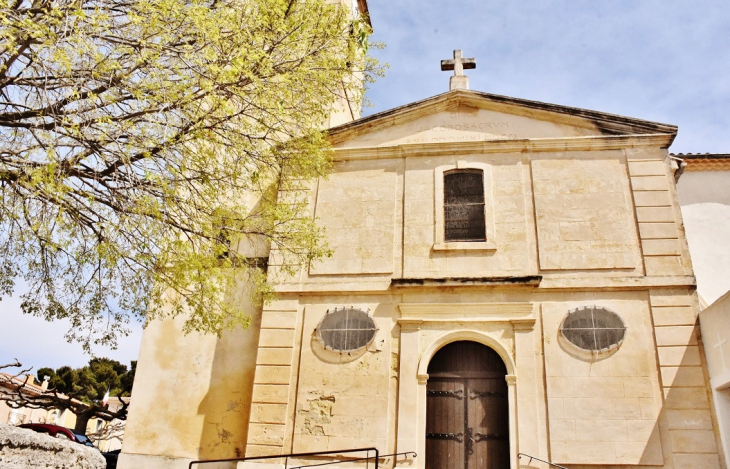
(357, 459)
(538, 459)
(292, 455)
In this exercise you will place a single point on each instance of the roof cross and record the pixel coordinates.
(458, 64)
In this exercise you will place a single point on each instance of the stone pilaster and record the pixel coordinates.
(659, 218)
(686, 422)
(526, 391)
(272, 388)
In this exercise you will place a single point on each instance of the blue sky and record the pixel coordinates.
(38, 343)
(666, 61)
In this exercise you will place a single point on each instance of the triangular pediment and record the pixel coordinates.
(465, 115)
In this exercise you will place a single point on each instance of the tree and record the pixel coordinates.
(90, 383)
(133, 133)
(80, 390)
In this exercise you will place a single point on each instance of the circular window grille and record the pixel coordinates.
(346, 329)
(593, 328)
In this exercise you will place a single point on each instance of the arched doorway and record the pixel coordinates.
(467, 411)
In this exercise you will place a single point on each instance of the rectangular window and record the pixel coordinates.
(464, 206)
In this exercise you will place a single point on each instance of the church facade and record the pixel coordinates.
(508, 278)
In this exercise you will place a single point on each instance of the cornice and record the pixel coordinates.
(347, 285)
(616, 283)
(530, 281)
(534, 145)
(608, 124)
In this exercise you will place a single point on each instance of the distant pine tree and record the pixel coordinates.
(80, 390)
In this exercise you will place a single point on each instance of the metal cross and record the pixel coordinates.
(719, 345)
(458, 64)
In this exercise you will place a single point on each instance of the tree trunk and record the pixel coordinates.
(82, 419)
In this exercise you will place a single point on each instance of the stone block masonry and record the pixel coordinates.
(687, 419)
(657, 215)
(271, 385)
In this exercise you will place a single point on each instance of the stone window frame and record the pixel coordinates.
(440, 244)
(592, 354)
(345, 351)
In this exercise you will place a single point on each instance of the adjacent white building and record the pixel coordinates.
(704, 195)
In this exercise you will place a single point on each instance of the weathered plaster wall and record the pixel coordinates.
(357, 206)
(192, 393)
(342, 399)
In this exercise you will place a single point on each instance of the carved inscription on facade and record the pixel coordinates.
(463, 122)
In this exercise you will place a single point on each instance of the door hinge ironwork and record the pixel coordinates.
(446, 436)
(459, 394)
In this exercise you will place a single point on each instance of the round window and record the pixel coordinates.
(346, 329)
(594, 329)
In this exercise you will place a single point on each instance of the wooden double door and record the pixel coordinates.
(467, 414)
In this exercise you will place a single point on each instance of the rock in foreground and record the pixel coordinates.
(21, 448)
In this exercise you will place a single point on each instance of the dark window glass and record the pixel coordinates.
(464, 206)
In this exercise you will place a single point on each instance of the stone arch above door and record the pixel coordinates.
(464, 335)
(507, 328)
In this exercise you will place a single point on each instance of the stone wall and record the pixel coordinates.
(603, 410)
(573, 219)
(21, 448)
(193, 393)
(582, 212)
